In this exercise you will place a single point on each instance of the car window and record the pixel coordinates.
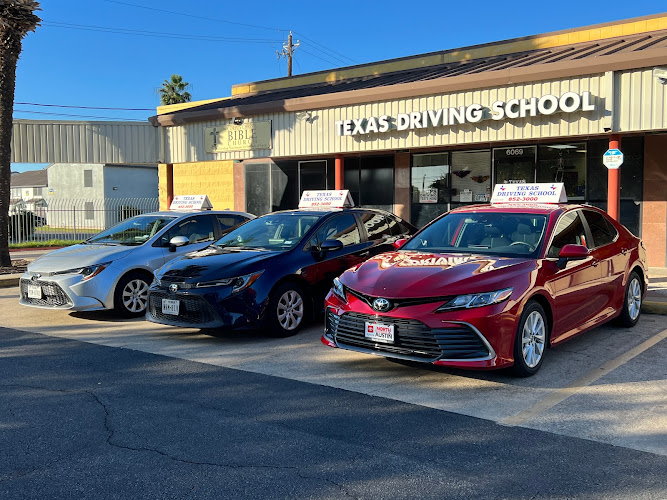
(569, 231)
(195, 229)
(228, 221)
(277, 231)
(376, 226)
(341, 227)
(133, 231)
(602, 231)
(398, 227)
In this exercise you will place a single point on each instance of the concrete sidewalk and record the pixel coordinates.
(654, 303)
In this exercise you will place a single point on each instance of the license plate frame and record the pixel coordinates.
(35, 291)
(383, 333)
(171, 306)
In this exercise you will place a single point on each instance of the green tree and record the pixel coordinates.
(17, 19)
(173, 91)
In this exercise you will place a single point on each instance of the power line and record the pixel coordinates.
(239, 24)
(194, 16)
(320, 58)
(327, 48)
(157, 34)
(82, 107)
(79, 116)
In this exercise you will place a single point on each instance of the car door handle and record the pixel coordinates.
(624, 251)
(365, 254)
(595, 263)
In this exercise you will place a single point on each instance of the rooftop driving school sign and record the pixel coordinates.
(326, 199)
(191, 202)
(529, 193)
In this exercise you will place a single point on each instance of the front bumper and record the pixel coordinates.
(479, 338)
(65, 291)
(205, 308)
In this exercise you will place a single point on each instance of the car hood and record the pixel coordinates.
(78, 256)
(211, 263)
(415, 274)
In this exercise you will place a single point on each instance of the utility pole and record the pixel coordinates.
(288, 52)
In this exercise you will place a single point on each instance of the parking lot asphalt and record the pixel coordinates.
(87, 421)
(608, 385)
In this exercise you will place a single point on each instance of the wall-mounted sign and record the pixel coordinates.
(243, 137)
(529, 193)
(326, 199)
(569, 102)
(191, 202)
(612, 159)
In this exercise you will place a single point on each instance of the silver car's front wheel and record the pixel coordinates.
(131, 297)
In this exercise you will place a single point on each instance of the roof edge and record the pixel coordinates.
(594, 32)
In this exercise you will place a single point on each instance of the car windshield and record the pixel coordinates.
(134, 231)
(273, 231)
(484, 233)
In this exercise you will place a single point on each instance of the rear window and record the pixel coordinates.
(602, 231)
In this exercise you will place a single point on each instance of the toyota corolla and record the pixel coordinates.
(491, 286)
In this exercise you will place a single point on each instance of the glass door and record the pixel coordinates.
(431, 187)
(514, 165)
(312, 176)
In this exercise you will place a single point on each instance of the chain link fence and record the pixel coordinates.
(72, 219)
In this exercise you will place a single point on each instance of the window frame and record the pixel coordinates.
(589, 231)
(578, 213)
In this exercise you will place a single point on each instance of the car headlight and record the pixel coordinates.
(339, 290)
(87, 272)
(238, 283)
(476, 300)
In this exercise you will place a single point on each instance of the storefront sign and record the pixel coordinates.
(243, 137)
(326, 199)
(529, 193)
(191, 202)
(569, 102)
(465, 196)
(612, 159)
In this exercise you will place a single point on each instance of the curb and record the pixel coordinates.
(9, 280)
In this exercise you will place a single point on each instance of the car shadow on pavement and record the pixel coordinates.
(106, 316)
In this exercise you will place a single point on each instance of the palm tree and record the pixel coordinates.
(17, 19)
(173, 91)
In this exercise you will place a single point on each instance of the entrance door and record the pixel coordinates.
(514, 165)
(312, 176)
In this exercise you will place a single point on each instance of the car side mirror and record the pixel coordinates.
(177, 241)
(571, 252)
(331, 245)
(399, 243)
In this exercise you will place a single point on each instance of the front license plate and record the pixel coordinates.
(380, 332)
(170, 306)
(34, 292)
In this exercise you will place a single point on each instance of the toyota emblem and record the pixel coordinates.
(173, 287)
(382, 305)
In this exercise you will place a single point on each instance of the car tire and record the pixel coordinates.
(287, 310)
(530, 342)
(632, 301)
(131, 295)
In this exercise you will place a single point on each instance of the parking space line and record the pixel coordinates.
(567, 391)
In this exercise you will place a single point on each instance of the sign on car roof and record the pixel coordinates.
(191, 202)
(529, 193)
(326, 199)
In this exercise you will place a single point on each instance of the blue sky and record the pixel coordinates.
(109, 53)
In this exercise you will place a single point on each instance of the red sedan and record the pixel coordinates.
(491, 286)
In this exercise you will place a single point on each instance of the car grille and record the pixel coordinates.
(52, 294)
(412, 338)
(192, 310)
(398, 302)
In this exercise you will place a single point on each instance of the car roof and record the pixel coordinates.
(177, 213)
(526, 208)
(325, 211)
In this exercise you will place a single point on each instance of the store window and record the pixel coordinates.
(471, 177)
(430, 186)
(514, 165)
(564, 163)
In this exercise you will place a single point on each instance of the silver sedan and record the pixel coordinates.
(113, 269)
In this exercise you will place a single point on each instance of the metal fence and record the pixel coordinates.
(72, 219)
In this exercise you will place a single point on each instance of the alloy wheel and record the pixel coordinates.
(290, 310)
(135, 296)
(533, 338)
(634, 299)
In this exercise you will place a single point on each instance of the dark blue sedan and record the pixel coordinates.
(272, 272)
